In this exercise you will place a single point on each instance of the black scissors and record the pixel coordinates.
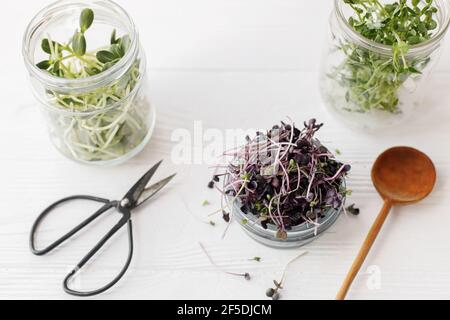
(137, 195)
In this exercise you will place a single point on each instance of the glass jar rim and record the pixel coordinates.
(443, 8)
(82, 84)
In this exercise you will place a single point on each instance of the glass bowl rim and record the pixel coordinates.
(294, 233)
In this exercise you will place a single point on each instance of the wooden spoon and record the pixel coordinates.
(402, 176)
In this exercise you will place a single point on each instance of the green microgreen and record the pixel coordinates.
(373, 80)
(206, 203)
(72, 59)
(86, 19)
(105, 135)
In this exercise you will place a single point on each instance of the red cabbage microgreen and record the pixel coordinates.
(246, 275)
(284, 178)
(274, 293)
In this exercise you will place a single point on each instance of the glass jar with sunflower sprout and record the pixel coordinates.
(92, 87)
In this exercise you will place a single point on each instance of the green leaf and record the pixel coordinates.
(56, 67)
(79, 44)
(105, 56)
(43, 65)
(125, 43)
(431, 25)
(86, 19)
(114, 37)
(69, 101)
(92, 71)
(414, 70)
(414, 40)
(117, 50)
(45, 45)
(108, 66)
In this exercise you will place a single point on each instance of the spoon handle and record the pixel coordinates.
(367, 245)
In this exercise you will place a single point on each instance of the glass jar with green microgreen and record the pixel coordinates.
(88, 72)
(379, 58)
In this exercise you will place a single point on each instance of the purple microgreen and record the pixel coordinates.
(284, 178)
(226, 230)
(246, 275)
(274, 293)
(226, 217)
(353, 210)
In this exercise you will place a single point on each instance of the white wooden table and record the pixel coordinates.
(230, 64)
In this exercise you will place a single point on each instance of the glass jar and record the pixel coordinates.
(296, 237)
(358, 81)
(102, 119)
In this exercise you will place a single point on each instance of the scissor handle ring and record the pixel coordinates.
(107, 206)
(126, 220)
(72, 274)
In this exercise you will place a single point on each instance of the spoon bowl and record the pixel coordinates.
(402, 176)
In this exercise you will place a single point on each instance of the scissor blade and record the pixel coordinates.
(153, 190)
(135, 193)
